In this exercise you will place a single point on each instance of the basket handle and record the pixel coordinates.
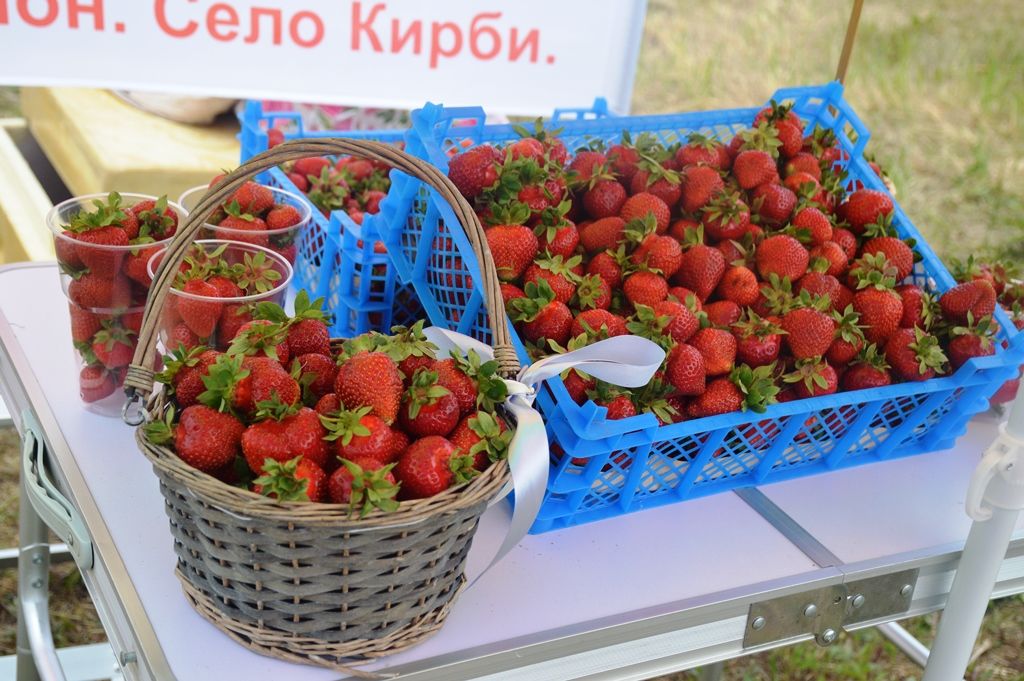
(139, 379)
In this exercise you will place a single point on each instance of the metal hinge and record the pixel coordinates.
(825, 612)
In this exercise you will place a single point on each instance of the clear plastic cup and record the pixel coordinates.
(106, 288)
(284, 240)
(188, 319)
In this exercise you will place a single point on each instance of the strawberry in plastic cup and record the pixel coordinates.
(256, 214)
(216, 289)
(103, 244)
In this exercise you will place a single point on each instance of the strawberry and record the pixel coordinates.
(84, 324)
(204, 438)
(528, 147)
(297, 479)
(701, 150)
(311, 165)
(864, 207)
(783, 256)
(474, 170)
(812, 377)
(510, 292)
(820, 285)
(755, 163)
(593, 293)
(718, 348)
(556, 235)
(774, 204)
(744, 388)
(359, 435)
(454, 375)
(607, 266)
(102, 251)
(156, 219)
(541, 316)
(976, 297)
(720, 397)
(849, 337)
(114, 346)
(786, 125)
(482, 436)
(624, 159)
(586, 163)
(975, 339)
(817, 224)
(300, 182)
(726, 217)
(253, 198)
(283, 217)
(307, 330)
(317, 374)
(619, 407)
(803, 162)
(370, 379)
(599, 323)
(578, 385)
(232, 318)
(645, 288)
(809, 332)
(685, 369)
(879, 306)
(262, 338)
(895, 250)
(701, 270)
(700, 184)
(660, 253)
(430, 466)
(602, 235)
(364, 484)
(739, 285)
(685, 231)
(914, 354)
(513, 248)
(285, 431)
(835, 258)
(919, 307)
(655, 179)
(758, 339)
(244, 227)
(328, 405)
(722, 313)
(640, 205)
(561, 275)
(681, 322)
(180, 336)
(846, 240)
(136, 264)
(95, 383)
(269, 382)
(869, 370)
(605, 198)
(200, 308)
(802, 183)
(223, 382)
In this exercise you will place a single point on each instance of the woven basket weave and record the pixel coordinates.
(307, 582)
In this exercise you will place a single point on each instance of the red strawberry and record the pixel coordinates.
(513, 248)
(975, 339)
(298, 479)
(659, 181)
(849, 337)
(918, 307)
(311, 165)
(200, 308)
(593, 293)
(721, 397)
(360, 435)
(723, 313)
(308, 332)
(328, 405)
(870, 370)
(270, 381)
(603, 234)
(803, 162)
(180, 336)
(820, 285)
(245, 228)
(541, 316)
(976, 297)
(783, 256)
(914, 354)
(370, 379)
(813, 377)
(624, 159)
(510, 292)
(559, 237)
(638, 206)
(364, 484)
(606, 266)
(321, 371)
(300, 182)
(686, 231)
(156, 218)
(561, 275)
(718, 348)
(599, 323)
(726, 217)
(895, 251)
(474, 170)
(426, 467)
(84, 324)
(95, 383)
(114, 347)
(864, 207)
(297, 433)
(605, 198)
(253, 198)
(739, 285)
(428, 408)
(880, 307)
(136, 264)
(754, 167)
(232, 318)
(577, 386)
(454, 375)
(786, 124)
(263, 338)
(774, 203)
(802, 183)
(700, 184)
(645, 288)
(685, 369)
(681, 323)
(701, 270)
(817, 224)
(586, 163)
(102, 251)
(482, 436)
(758, 340)
(809, 332)
(833, 255)
(283, 217)
(659, 253)
(204, 438)
(704, 151)
(619, 407)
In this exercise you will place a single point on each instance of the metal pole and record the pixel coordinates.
(711, 672)
(851, 34)
(33, 573)
(902, 639)
(994, 500)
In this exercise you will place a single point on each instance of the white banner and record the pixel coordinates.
(511, 56)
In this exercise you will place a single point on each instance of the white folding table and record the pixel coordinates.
(628, 598)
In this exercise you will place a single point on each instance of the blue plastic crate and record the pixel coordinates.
(328, 263)
(602, 468)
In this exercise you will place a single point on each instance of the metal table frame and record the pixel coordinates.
(656, 640)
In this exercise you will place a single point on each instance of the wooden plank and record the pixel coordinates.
(99, 143)
(23, 202)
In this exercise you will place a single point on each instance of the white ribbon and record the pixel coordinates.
(628, 361)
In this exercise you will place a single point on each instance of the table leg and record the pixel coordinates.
(712, 672)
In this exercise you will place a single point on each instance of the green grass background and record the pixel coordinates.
(940, 84)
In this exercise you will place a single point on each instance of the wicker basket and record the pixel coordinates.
(306, 582)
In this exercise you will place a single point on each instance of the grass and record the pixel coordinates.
(940, 85)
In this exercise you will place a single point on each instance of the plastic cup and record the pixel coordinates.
(283, 241)
(195, 327)
(106, 288)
